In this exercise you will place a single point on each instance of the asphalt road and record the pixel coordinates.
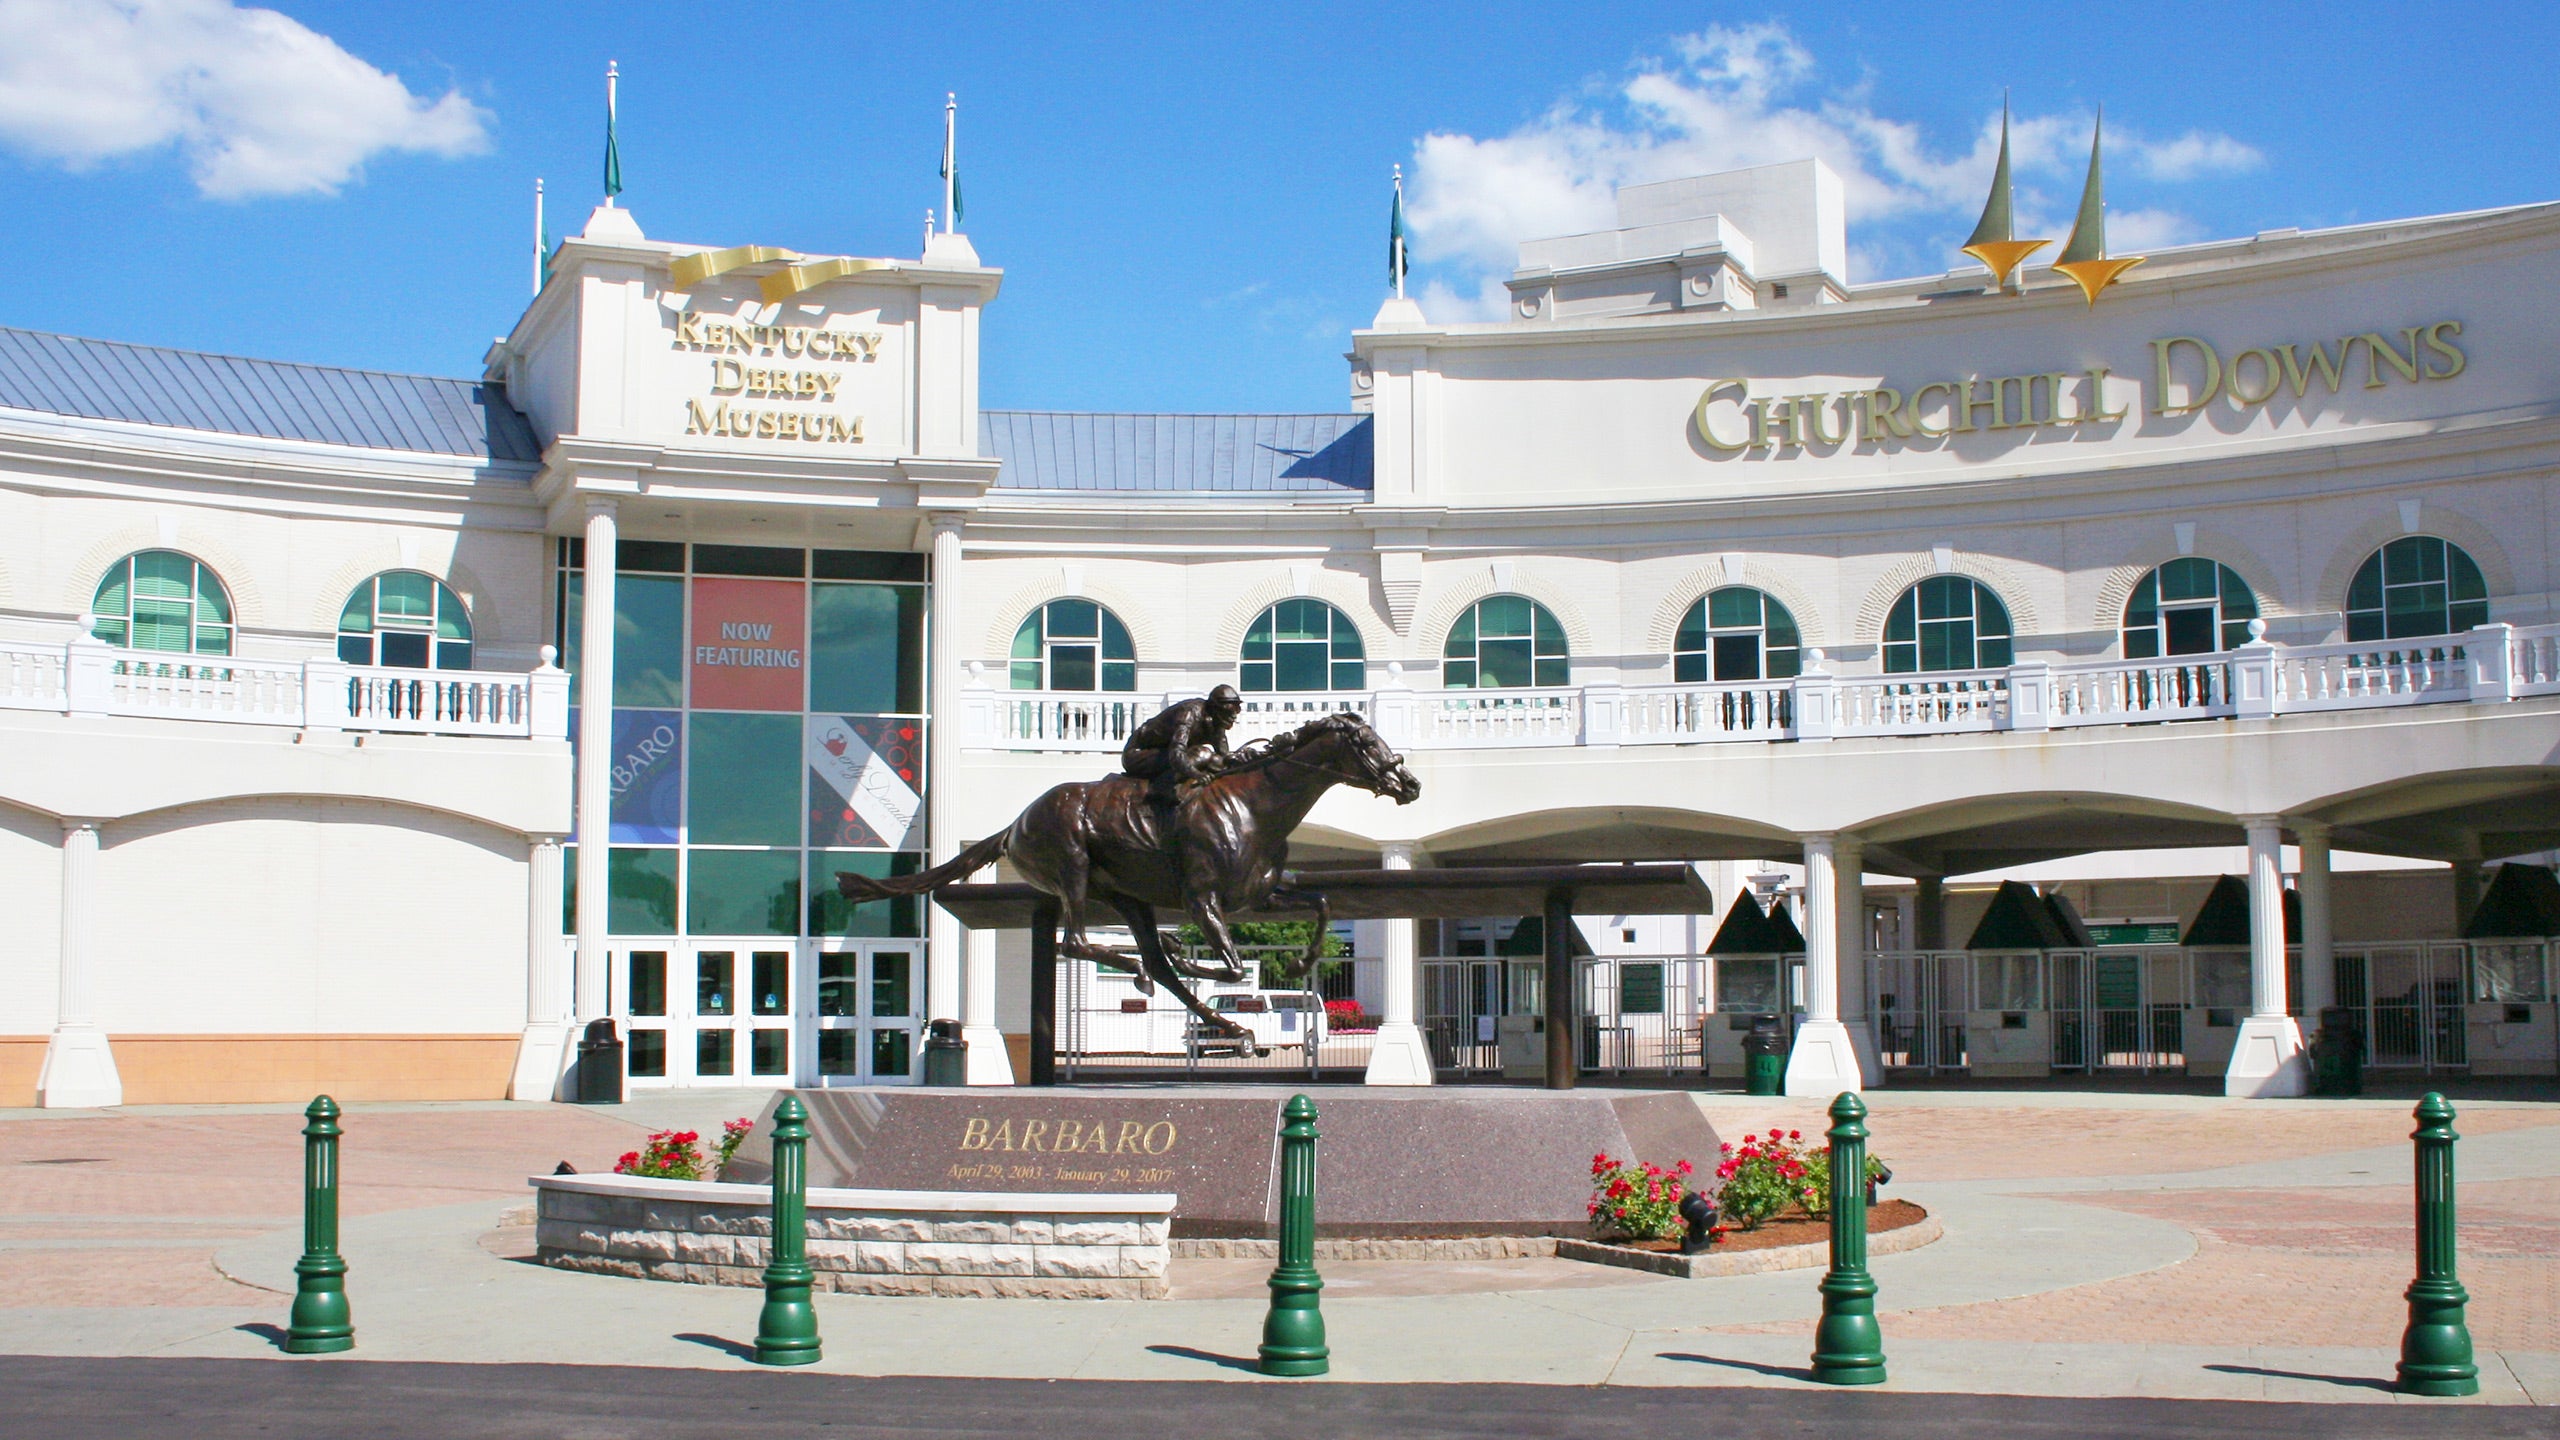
(77, 1399)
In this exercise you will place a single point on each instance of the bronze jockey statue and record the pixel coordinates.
(1183, 745)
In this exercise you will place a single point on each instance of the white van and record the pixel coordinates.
(1276, 1019)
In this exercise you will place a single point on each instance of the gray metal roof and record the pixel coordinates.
(228, 395)
(1274, 454)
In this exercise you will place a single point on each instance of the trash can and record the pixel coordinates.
(946, 1056)
(600, 1065)
(2337, 1054)
(1764, 1058)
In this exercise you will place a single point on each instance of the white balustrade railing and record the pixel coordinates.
(2381, 672)
(89, 677)
(2533, 660)
(1485, 719)
(1686, 714)
(2254, 682)
(2133, 691)
(1944, 703)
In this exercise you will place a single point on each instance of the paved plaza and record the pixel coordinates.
(2099, 1247)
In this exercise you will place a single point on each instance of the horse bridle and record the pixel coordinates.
(1366, 780)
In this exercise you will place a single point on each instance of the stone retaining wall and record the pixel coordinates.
(862, 1242)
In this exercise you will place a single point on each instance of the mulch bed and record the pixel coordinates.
(1796, 1230)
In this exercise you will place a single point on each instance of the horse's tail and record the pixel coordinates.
(977, 857)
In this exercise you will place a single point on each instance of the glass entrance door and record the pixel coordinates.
(863, 1028)
(704, 1013)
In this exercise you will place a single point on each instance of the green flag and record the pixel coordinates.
(951, 177)
(1398, 257)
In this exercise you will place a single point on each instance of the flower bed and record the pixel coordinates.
(1794, 1243)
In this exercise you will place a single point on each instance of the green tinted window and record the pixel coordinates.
(1073, 645)
(648, 640)
(832, 914)
(162, 600)
(1736, 633)
(742, 892)
(866, 649)
(1946, 622)
(2189, 606)
(643, 888)
(2414, 587)
(1301, 644)
(742, 779)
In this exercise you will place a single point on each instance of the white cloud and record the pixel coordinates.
(1729, 97)
(258, 103)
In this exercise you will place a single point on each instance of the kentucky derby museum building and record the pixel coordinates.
(1863, 597)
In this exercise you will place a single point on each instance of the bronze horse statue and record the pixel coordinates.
(1219, 853)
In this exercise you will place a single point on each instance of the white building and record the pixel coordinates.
(1703, 553)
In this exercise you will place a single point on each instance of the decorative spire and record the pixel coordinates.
(2084, 255)
(1397, 258)
(1993, 242)
(612, 144)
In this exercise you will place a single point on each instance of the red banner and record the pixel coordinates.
(750, 644)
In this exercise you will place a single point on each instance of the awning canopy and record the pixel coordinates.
(1656, 888)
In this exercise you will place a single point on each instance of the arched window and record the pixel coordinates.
(2416, 585)
(1504, 642)
(404, 619)
(1736, 633)
(1946, 622)
(162, 600)
(1301, 645)
(2189, 606)
(1073, 645)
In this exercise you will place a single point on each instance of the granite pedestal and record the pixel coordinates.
(1445, 1161)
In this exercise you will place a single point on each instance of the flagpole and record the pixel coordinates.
(539, 235)
(612, 119)
(950, 170)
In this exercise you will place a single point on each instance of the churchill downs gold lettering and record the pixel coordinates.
(1735, 417)
(1069, 1137)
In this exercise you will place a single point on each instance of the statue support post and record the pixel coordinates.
(1044, 993)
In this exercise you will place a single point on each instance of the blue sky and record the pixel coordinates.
(1190, 207)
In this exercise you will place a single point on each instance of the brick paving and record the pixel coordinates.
(1984, 1142)
(111, 1209)
(128, 1209)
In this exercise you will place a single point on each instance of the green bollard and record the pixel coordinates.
(2435, 1351)
(787, 1330)
(1848, 1349)
(321, 1325)
(1293, 1329)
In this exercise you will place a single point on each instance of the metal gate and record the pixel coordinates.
(1921, 998)
(1643, 1013)
(1107, 1029)
(1463, 1002)
(2122, 1010)
(2409, 999)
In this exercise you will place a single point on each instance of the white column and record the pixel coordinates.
(942, 932)
(1399, 1055)
(2319, 947)
(988, 1061)
(595, 757)
(2266, 1058)
(550, 1001)
(1849, 892)
(1823, 1062)
(79, 1068)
